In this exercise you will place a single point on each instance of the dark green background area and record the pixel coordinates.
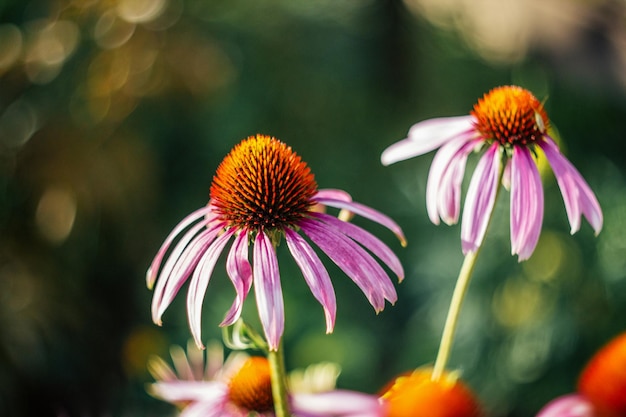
(339, 82)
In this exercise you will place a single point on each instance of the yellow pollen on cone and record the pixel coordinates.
(251, 386)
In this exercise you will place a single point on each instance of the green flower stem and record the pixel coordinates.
(460, 289)
(449, 328)
(279, 382)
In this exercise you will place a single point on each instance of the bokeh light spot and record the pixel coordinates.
(519, 301)
(547, 260)
(111, 32)
(140, 11)
(17, 124)
(56, 213)
(11, 41)
(49, 45)
(142, 343)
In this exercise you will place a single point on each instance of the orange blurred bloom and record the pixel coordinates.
(416, 394)
(603, 381)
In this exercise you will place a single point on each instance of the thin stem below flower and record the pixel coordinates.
(449, 328)
(462, 283)
(279, 382)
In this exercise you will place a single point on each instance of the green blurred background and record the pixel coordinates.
(114, 115)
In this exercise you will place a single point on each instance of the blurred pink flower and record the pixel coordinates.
(241, 386)
(510, 123)
(261, 192)
(571, 405)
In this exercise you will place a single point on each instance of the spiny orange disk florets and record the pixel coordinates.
(416, 394)
(263, 184)
(251, 386)
(510, 115)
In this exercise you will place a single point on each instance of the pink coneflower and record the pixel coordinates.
(241, 386)
(510, 123)
(262, 191)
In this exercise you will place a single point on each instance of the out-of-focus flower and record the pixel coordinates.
(512, 125)
(603, 381)
(417, 394)
(571, 405)
(261, 192)
(601, 386)
(241, 385)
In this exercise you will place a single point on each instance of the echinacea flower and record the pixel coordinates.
(601, 390)
(240, 386)
(417, 394)
(263, 191)
(510, 124)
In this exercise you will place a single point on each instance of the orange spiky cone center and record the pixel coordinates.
(416, 394)
(510, 115)
(251, 387)
(262, 184)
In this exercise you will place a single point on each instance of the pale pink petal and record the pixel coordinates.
(153, 270)
(200, 281)
(338, 403)
(426, 136)
(171, 260)
(333, 194)
(269, 294)
(526, 203)
(369, 241)
(480, 199)
(315, 275)
(367, 212)
(353, 260)
(181, 363)
(179, 266)
(209, 409)
(572, 405)
(443, 190)
(577, 195)
(181, 391)
(240, 273)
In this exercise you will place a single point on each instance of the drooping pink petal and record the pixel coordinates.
(200, 281)
(367, 212)
(426, 136)
(577, 195)
(153, 270)
(338, 403)
(572, 405)
(526, 203)
(240, 273)
(443, 189)
(369, 241)
(267, 289)
(179, 266)
(353, 260)
(315, 275)
(480, 199)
